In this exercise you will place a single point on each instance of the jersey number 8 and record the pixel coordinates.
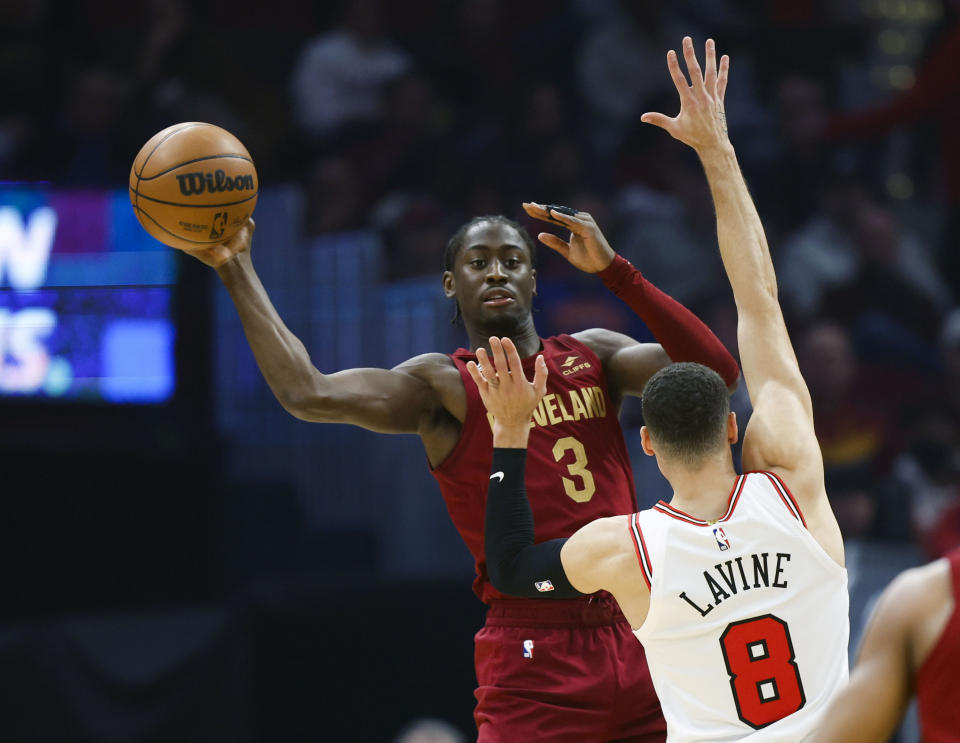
(763, 675)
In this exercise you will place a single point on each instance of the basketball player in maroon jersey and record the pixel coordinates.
(911, 647)
(547, 670)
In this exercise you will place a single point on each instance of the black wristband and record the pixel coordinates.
(516, 565)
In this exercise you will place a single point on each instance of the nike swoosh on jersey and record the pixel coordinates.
(498, 475)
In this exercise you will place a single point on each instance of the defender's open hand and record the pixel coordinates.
(505, 391)
(587, 248)
(701, 123)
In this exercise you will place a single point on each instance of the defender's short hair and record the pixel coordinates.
(685, 408)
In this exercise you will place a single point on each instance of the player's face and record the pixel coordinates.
(493, 278)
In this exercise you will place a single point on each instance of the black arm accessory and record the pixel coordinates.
(516, 565)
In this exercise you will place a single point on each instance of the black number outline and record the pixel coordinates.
(733, 677)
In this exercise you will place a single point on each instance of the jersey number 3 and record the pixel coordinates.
(577, 468)
(763, 673)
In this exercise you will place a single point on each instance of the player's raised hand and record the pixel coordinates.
(218, 255)
(701, 123)
(587, 248)
(504, 388)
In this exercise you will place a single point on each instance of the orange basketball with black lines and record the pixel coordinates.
(193, 185)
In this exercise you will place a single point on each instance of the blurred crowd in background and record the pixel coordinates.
(405, 119)
(409, 118)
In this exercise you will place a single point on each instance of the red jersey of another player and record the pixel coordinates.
(938, 694)
(578, 469)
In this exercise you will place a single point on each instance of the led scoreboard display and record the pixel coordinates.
(85, 299)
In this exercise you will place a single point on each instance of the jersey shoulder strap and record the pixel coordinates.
(460, 357)
(640, 545)
(772, 482)
(474, 419)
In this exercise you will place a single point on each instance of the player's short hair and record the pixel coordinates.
(456, 242)
(685, 408)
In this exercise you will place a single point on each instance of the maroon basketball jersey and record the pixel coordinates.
(578, 469)
(938, 693)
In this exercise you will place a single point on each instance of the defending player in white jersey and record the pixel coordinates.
(737, 587)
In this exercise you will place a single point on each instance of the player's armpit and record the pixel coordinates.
(780, 435)
(871, 706)
(780, 438)
(630, 366)
(627, 364)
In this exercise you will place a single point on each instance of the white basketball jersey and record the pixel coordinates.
(747, 632)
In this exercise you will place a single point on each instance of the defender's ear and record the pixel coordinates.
(645, 442)
(733, 431)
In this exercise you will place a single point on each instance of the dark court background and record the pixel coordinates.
(183, 561)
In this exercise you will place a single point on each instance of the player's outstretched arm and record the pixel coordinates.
(780, 436)
(389, 401)
(681, 335)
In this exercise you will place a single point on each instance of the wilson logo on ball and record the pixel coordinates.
(193, 184)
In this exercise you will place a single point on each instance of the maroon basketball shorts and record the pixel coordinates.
(565, 671)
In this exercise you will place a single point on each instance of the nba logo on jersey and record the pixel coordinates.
(528, 649)
(722, 542)
(543, 586)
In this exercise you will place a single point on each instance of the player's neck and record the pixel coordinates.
(524, 335)
(703, 493)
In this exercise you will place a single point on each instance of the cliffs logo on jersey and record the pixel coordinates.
(543, 585)
(722, 542)
(570, 366)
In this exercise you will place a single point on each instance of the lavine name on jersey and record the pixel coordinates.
(734, 578)
(577, 403)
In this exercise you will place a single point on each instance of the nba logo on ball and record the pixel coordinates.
(219, 222)
(722, 542)
(528, 649)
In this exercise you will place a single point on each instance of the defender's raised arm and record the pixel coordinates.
(780, 436)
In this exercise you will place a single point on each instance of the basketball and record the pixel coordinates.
(193, 185)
